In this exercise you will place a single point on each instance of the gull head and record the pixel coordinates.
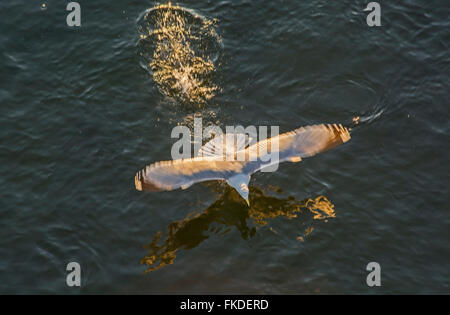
(240, 183)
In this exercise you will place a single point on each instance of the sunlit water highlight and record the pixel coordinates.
(180, 48)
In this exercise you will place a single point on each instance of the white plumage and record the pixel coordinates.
(290, 146)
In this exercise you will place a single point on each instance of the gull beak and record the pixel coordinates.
(248, 202)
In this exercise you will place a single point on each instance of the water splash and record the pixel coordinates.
(179, 48)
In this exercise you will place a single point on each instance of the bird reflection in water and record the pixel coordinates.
(227, 211)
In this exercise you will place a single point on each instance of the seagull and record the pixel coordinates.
(216, 160)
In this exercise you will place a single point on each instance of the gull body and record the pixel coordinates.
(236, 165)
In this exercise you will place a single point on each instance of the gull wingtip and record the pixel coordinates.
(138, 182)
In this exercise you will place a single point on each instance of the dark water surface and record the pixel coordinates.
(81, 112)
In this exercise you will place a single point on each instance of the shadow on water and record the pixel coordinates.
(227, 211)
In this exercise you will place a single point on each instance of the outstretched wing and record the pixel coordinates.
(294, 145)
(170, 175)
(290, 146)
(225, 145)
(310, 140)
